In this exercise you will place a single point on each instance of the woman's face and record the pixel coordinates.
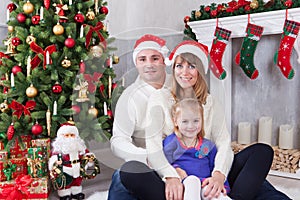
(185, 73)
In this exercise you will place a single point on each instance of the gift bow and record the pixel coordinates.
(96, 29)
(21, 108)
(19, 190)
(37, 49)
(9, 169)
(91, 80)
(34, 165)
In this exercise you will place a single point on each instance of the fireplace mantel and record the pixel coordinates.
(272, 21)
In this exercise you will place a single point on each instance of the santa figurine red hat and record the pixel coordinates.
(149, 41)
(190, 46)
(68, 127)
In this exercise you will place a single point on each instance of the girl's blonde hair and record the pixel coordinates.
(187, 104)
(200, 87)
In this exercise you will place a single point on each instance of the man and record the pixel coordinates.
(128, 140)
(68, 149)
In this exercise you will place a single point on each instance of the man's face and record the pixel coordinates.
(151, 67)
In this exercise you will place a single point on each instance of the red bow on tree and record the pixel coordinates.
(2, 55)
(21, 108)
(97, 29)
(19, 190)
(37, 49)
(92, 80)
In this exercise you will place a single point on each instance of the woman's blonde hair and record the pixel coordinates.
(187, 104)
(200, 87)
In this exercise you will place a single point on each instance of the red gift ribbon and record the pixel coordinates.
(96, 29)
(20, 108)
(91, 80)
(37, 49)
(19, 190)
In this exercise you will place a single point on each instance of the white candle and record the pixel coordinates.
(42, 13)
(28, 65)
(286, 136)
(104, 108)
(81, 31)
(265, 130)
(70, 2)
(110, 62)
(109, 86)
(123, 81)
(55, 108)
(244, 133)
(12, 80)
(47, 58)
(7, 15)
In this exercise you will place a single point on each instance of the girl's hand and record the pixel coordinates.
(181, 173)
(174, 189)
(215, 185)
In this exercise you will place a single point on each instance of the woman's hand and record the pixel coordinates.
(181, 173)
(215, 185)
(174, 189)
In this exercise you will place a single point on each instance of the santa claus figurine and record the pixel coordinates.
(65, 164)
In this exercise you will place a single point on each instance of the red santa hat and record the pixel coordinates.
(190, 46)
(68, 127)
(150, 42)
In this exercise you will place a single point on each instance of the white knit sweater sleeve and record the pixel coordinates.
(123, 130)
(156, 114)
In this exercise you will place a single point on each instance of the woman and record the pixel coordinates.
(249, 167)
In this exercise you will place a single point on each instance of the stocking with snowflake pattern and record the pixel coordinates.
(217, 50)
(245, 58)
(282, 57)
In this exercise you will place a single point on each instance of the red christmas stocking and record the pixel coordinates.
(217, 50)
(282, 57)
(245, 57)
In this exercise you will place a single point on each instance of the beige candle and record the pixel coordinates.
(265, 130)
(244, 133)
(286, 134)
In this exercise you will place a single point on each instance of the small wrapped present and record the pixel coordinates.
(21, 166)
(3, 155)
(45, 143)
(4, 185)
(39, 188)
(36, 162)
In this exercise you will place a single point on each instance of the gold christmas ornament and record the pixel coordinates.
(197, 13)
(93, 111)
(115, 59)
(10, 46)
(28, 7)
(83, 91)
(58, 29)
(30, 39)
(97, 50)
(66, 63)
(90, 15)
(31, 91)
(10, 29)
(254, 4)
(4, 106)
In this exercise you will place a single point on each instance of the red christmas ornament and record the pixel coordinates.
(21, 17)
(10, 131)
(47, 4)
(36, 129)
(16, 41)
(207, 9)
(16, 69)
(11, 7)
(110, 114)
(103, 10)
(81, 67)
(114, 85)
(70, 42)
(101, 88)
(79, 18)
(186, 19)
(76, 109)
(56, 88)
(35, 19)
(213, 13)
(288, 3)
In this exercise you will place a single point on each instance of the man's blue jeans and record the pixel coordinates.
(117, 191)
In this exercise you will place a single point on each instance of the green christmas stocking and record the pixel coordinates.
(282, 57)
(245, 57)
(217, 50)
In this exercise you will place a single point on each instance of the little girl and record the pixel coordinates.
(189, 152)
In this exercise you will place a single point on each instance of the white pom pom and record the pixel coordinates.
(168, 62)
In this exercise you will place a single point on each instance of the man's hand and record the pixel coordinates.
(215, 185)
(174, 189)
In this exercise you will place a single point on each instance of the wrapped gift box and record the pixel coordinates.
(36, 162)
(2, 175)
(45, 143)
(3, 155)
(21, 166)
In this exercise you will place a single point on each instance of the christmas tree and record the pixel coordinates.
(57, 65)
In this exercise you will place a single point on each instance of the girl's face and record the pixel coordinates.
(188, 122)
(185, 73)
